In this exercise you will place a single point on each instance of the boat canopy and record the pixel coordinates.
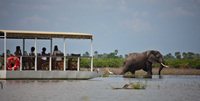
(43, 35)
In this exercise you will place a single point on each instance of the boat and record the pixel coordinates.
(49, 72)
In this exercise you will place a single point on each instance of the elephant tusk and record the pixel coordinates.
(164, 65)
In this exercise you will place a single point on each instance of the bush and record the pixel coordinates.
(103, 62)
(118, 62)
(183, 63)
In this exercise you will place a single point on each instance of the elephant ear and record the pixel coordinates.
(151, 57)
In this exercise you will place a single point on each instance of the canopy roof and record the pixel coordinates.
(43, 35)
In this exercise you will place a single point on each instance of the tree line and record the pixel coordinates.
(112, 59)
(114, 54)
(178, 55)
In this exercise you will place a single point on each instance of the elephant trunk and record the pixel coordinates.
(160, 70)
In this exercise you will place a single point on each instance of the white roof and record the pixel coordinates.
(43, 35)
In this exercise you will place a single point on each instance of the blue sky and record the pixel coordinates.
(126, 25)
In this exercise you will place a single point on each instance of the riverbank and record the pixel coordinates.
(165, 71)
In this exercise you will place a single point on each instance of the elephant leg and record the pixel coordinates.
(133, 72)
(149, 72)
(149, 69)
(145, 69)
(125, 69)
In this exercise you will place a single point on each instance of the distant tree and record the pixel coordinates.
(116, 52)
(25, 53)
(195, 56)
(178, 55)
(8, 53)
(100, 56)
(111, 55)
(126, 55)
(189, 55)
(169, 56)
(184, 55)
(95, 54)
(86, 54)
(104, 55)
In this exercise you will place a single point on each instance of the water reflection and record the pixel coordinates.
(1, 85)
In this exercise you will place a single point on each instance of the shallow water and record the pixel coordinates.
(169, 88)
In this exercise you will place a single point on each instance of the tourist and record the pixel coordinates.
(56, 51)
(31, 59)
(44, 53)
(18, 51)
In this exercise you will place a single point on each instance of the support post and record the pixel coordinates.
(64, 56)
(92, 54)
(78, 64)
(23, 46)
(5, 52)
(20, 68)
(35, 54)
(50, 59)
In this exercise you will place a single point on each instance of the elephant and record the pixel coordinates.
(144, 60)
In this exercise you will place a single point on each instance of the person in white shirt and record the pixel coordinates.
(43, 53)
(31, 59)
(56, 51)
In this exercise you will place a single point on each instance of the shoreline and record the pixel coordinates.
(165, 71)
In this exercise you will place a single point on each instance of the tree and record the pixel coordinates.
(189, 55)
(169, 56)
(195, 56)
(111, 55)
(178, 55)
(120, 56)
(86, 54)
(104, 55)
(126, 55)
(8, 53)
(115, 52)
(95, 54)
(184, 55)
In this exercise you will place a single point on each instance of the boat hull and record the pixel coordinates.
(40, 75)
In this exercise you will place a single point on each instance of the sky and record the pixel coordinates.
(129, 26)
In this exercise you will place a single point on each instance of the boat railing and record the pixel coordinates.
(51, 58)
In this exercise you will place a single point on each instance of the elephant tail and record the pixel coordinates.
(124, 63)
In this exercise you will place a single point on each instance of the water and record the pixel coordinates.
(169, 88)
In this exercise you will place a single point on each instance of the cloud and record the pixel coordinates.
(177, 12)
(136, 23)
(123, 5)
(34, 20)
(4, 13)
(140, 14)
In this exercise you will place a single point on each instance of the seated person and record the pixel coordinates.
(44, 53)
(56, 51)
(31, 59)
(58, 61)
(18, 51)
(44, 60)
